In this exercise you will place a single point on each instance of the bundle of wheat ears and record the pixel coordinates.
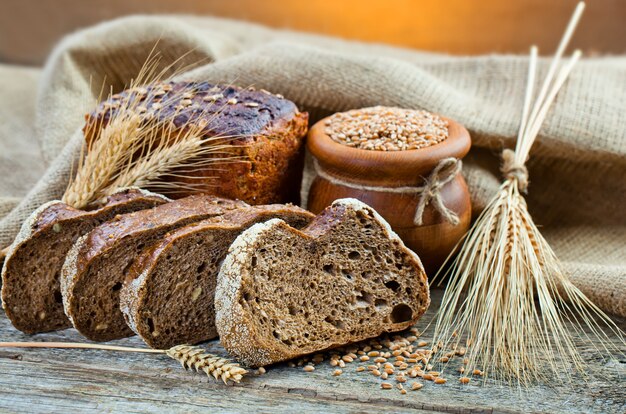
(507, 295)
(138, 147)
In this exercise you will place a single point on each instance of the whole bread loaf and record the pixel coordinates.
(31, 291)
(282, 293)
(95, 268)
(266, 133)
(167, 298)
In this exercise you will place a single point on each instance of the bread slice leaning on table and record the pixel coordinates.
(167, 298)
(95, 268)
(282, 292)
(31, 291)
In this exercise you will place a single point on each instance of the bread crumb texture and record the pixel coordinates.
(344, 278)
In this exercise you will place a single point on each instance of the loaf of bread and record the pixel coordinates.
(167, 298)
(267, 130)
(31, 292)
(282, 293)
(95, 267)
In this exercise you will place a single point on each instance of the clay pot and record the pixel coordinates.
(436, 237)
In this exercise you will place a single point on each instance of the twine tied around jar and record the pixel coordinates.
(445, 171)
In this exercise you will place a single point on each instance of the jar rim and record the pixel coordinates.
(393, 168)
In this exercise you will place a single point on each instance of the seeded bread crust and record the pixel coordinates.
(167, 298)
(31, 294)
(95, 267)
(268, 133)
(283, 293)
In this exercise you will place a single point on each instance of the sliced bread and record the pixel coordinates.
(95, 267)
(168, 295)
(282, 293)
(31, 292)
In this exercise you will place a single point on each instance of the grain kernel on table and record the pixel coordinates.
(416, 386)
(464, 380)
(309, 368)
(440, 380)
(386, 386)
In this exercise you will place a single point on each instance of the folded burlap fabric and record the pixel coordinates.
(577, 190)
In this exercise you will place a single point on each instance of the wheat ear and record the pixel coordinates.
(507, 294)
(189, 357)
(196, 358)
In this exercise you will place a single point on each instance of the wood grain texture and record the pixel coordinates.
(29, 28)
(61, 381)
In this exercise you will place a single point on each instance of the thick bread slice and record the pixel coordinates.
(95, 267)
(346, 277)
(31, 292)
(168, 295)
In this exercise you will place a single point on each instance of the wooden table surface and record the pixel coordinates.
(72, 381)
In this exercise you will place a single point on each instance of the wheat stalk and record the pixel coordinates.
(507, 294)
(189, 357)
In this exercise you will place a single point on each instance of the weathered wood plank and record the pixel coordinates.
(53, 380)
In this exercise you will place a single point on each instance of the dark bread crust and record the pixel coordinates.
(30, 276)
(167, 298)
(269, 132)
(346, 277)
(95, 267)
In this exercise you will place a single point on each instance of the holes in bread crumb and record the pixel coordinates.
(380, 303)
(364, 299)
(354, 255)
(58, 298)
(393, 285)
(201, 268)
(292, 310)
(253, 262)
(117, 286)
(335, 322)
(329, 268)
(366, 274)
(150, 323)
(346, 274)
(401, 313)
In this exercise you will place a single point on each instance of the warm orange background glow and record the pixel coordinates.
(28, 28)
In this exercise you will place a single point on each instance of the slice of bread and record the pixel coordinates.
(168, 295)
(31, 292)
(282, 293)
(95, 267)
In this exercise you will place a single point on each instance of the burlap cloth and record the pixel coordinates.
(577, 167)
